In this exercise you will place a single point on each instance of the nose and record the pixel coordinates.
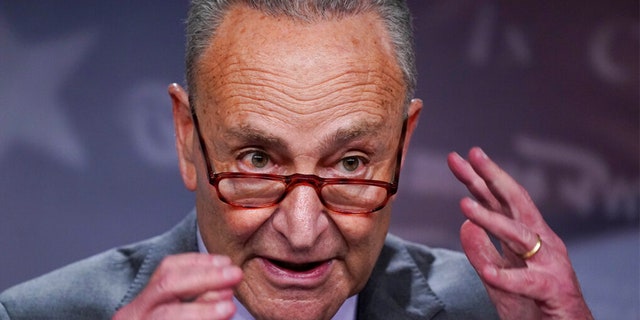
(301, 218)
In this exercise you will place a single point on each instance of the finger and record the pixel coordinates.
(504, 188)
(213, 296)
(183, 277)
(463, 171)
(478, 247)
(534, 284)
(483, 256)
(221, 310)
(516, 236)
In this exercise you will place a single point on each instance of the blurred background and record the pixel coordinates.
(548, 88)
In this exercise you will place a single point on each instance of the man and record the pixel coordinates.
(292, 137)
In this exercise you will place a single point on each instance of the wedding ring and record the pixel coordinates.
(533, 251)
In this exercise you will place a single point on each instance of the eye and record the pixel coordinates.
(351, 163)
(255, 159)
(259, 160)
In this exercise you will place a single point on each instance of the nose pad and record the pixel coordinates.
(301, 217)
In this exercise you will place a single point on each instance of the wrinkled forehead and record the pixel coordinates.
(302, 67)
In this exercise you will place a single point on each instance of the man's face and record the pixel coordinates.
(278, 96)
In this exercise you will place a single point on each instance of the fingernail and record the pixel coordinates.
(231, 272)
(221, 261)
(483, 154)
(223, 308)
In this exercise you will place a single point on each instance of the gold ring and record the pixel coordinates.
(533, 251)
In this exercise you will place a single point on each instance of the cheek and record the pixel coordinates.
(226, 230)
(365, 237)
(363, 229)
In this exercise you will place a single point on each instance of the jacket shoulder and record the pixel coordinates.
(90, 288)
(95, 287)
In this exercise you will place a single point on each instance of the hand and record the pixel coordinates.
(187, 286)
(542, 286)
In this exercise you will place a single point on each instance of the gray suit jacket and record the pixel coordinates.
(409, 281)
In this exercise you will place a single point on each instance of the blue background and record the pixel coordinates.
(548, 88)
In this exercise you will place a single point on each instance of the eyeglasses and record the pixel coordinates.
(342, 195)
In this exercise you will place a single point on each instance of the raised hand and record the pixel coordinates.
(533, 277)
(187, 286)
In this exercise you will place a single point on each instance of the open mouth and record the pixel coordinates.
(286, 274)
(297, 267)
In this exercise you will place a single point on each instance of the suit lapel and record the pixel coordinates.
(398, 288)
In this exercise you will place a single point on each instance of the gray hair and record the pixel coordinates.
(206, 15)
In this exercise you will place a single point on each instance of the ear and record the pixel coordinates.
(184, 132)
(413, 115)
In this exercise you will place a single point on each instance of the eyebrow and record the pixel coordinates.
(361, 129)
(250, 135)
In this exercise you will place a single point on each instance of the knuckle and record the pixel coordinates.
(561, 248)
(477, 184)
(523, 234)
(167, 264)
(165, 284)
(536, 282)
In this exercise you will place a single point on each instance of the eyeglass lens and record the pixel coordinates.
(255, 193)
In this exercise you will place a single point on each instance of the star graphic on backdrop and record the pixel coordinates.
(31, 110)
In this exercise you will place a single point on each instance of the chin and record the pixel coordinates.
(295, 309)
(286, 304)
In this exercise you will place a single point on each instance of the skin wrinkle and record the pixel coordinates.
(303, 95)
(300, 102)
(237, 96)
(229, 60)
(268, 107)
(294, 82)
(306, 94)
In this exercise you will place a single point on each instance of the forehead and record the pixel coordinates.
(285, 67)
